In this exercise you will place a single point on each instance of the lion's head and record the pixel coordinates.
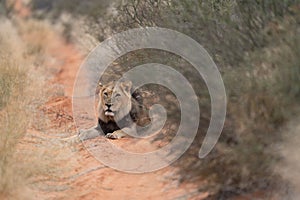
(114, 101)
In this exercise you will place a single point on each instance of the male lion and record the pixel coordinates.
(119, 109)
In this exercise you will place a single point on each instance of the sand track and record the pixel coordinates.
(88, 178)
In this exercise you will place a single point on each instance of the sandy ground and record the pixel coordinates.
(87, 178)
(94, 180)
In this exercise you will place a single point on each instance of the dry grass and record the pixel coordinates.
(27, 158)
(38, 34)
(13, 114)
(14, 120)
(288, 167)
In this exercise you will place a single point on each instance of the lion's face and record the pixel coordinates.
(114, 101)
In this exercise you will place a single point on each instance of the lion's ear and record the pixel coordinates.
(127, 85)
(99, 87)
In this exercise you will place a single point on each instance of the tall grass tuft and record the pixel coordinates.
(25, 159)
(14, 121)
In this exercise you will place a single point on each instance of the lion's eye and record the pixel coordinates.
(105, 93)
(118, 95)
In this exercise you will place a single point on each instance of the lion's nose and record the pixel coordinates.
(108, 105)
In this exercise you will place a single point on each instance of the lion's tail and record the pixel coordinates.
(71, 140)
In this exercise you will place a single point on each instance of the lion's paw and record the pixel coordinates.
(116, 135)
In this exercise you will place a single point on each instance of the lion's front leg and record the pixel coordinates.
(89, 133)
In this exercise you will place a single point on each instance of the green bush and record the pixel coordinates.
(256, 46)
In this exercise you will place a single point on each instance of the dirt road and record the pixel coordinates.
(87, 178)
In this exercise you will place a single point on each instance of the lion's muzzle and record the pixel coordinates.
(108, 111)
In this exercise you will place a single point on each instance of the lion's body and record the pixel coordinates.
(119, 107)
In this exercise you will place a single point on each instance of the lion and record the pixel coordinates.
(119, 109)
